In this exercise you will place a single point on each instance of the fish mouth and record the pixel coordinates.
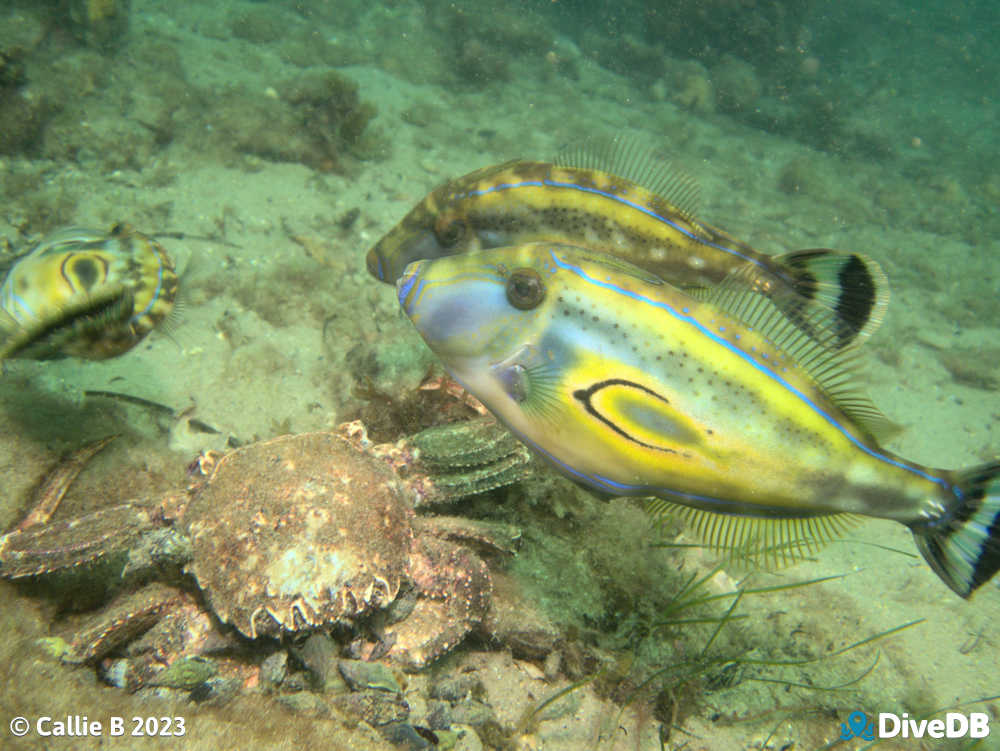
(389, 258)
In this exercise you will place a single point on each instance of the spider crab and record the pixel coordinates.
(290, 535)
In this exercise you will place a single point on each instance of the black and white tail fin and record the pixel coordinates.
(841, 294)
(963, 546)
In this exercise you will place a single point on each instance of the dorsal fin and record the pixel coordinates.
(644, 165)
(809, 339)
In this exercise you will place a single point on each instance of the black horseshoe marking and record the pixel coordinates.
(585, 397)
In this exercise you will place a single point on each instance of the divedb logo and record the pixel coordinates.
(953, 725)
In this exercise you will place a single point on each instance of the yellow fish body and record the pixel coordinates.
(624, 204)
(85, 293)
(718, 406)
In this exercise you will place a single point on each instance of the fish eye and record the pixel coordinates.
(525, 289)
(84, 271)
(450, 232)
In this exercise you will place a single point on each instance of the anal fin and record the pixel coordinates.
(766, 541)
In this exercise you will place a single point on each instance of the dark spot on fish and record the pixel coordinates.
(857, 299)
(84, 272)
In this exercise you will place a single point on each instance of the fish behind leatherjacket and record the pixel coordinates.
(620, 200)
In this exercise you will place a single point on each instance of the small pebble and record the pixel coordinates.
(187, 672)
(216, 691)
(375, 707)
(319, 654)
(456, 688)
(305, 701)
(438, 715)
(404, 737)
(467, 739)
(273, 669)
(361, 675)
(471, 712)
(551, 667)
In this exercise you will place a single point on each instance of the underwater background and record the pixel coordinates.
(269, 145)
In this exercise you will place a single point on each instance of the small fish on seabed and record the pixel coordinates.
(618, 198)
(85, 293)
(715, 404)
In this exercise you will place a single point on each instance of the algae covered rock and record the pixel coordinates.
(317, 119)
(328, 105)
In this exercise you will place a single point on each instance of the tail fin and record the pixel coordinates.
(963, 547)
(845, 293)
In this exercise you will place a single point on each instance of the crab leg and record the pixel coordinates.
(123, 620)
(57, 482)
(448, 462)
(73, 542)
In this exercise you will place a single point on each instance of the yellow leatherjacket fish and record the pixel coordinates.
(620, 200)
(85, 293)
(717, 404)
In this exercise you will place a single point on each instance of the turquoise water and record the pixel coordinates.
(269, 145)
